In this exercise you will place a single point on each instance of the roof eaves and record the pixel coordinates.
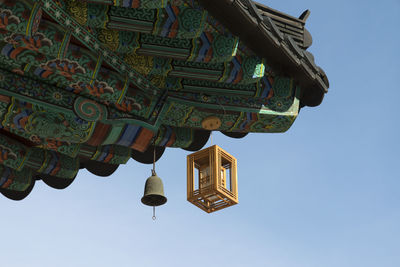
(260, 34)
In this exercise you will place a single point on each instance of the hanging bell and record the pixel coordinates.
(154, 191)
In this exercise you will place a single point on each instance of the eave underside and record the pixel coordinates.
(91, 84)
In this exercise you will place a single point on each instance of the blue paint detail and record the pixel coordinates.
(127, 3)
(5, 175)
(104, 153)
(235, 70)
(6, 51)
(53, 162)
(23, 114)
(205, 47)
(39, 71)
(266, 87)
(244, 123)
(171, 19)
(128, 136)
(166, 137)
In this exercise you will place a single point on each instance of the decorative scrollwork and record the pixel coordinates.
(191, 19)
(78, 9)
(224, 45)
(89, 110)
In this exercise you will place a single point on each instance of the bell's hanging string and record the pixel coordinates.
(153, 172)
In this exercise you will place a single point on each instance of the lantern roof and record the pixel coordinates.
(93, 83)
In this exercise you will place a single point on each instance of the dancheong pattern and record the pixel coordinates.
(96, 82)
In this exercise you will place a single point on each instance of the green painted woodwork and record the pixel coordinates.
(94, 80)
(15, 180)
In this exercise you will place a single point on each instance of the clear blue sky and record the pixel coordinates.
(326, 193)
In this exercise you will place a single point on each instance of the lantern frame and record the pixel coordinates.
(212, 179)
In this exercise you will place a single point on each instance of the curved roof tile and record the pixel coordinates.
(254, 24)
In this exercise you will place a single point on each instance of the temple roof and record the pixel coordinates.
(91, 84)
(280, 38)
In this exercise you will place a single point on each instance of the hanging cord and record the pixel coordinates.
(221, 106)
(153, 172)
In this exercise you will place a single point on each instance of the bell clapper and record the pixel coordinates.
(154, 213)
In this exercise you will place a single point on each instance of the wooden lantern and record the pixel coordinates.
(212, 179)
